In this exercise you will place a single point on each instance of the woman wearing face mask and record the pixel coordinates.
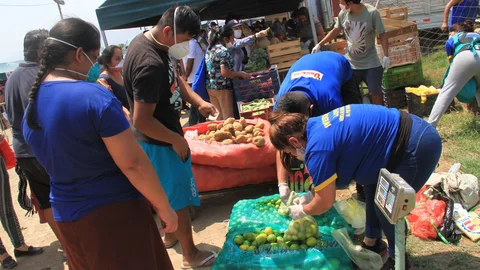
(220, 71)
(99, 173)
(112, 59)
(355, 142)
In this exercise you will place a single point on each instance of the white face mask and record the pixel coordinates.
(301, 154)
(178, 51)
(229, 45)
(344, 8)
(237, 33)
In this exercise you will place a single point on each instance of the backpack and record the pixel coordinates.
(462, 43)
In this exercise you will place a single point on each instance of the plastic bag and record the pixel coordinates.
(284, 210)
(363, 258)
(253, 216)
(420, 219)
(238, 156)
(211, 178)
(447, 228)
(468, 223)
(302, 230)
(353, 212)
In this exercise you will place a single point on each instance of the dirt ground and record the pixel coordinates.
(209, 227)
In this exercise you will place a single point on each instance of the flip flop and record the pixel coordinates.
(171, 245)
(202, 263)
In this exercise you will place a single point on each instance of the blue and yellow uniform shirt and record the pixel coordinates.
(350, 143)
(320, 76)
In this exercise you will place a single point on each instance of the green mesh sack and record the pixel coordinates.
(256, 240)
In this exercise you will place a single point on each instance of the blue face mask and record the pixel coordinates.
(93, 73)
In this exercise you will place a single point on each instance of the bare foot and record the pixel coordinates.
(201, 259)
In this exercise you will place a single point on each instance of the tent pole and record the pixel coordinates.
(104, 37)
(312, 20)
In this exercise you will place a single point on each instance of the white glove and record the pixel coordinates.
(317, 48)
(296, 212)
(284, 192)
(305, 199)
(262, 33)
(386, 63)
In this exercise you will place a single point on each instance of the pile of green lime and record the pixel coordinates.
(269, 205)
(273, 240)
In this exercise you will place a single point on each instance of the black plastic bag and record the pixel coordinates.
(448, 227)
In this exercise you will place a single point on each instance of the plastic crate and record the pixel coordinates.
(264, 85)
(262, 113)
(408, 75)
(395, 98)
(415, 105)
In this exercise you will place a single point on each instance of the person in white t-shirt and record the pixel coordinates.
(191, 62)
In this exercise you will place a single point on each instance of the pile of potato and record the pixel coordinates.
(234, 132)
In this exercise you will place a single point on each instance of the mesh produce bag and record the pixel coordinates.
(263, 231)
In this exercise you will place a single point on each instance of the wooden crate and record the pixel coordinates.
(284, 54)
(400, 13)
(399, 30)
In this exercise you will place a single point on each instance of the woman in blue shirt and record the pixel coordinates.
(464, 66)
(353, 143)
(99, 173)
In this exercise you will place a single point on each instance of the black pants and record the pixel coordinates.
(195, 117)
(7, 213)
(350, 92)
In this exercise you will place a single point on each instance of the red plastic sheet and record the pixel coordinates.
(210, 178)
(420, 219)
(239, 156)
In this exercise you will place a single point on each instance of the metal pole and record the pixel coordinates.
(104, 38)
(60, 11)
(400, 244)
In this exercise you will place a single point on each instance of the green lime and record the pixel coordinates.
(246, 242)
(303, 246)
(251, 248)
(254, 243)
(261, 239)
(294, 247)
(244, 247)
(272, 238)
(238, 240)
(311, 242)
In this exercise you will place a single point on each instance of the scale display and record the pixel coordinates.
(394, 196)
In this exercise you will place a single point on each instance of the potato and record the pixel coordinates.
(257, 129)
(202, 138)
(238, 133)
(250, 140)
(237, 126)
(249, 135)
(212, 127)
(260, 125)
(249, 129)
(227, 142)
(259, 141)
(211, 140)
(211, 132)
(242, 139)
(230, 120)
(220, 126)
(229, 128)
(221, 135)
(243, 122)
(258, 133)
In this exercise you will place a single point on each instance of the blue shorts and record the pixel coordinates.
(175, 175)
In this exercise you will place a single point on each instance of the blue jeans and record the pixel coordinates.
(421, 158)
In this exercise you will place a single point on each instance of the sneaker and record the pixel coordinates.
(390, 264)
(380, 247)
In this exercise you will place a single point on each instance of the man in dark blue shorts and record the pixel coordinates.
(316, 84)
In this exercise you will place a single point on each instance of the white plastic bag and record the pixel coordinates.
(353, 212)
(363, 258)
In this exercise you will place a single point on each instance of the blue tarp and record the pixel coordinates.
(119, 14)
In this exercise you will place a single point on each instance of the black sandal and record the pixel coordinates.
(9, 263)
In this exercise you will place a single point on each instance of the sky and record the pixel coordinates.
(17, 17)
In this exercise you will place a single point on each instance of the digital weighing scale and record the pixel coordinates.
(395, 198)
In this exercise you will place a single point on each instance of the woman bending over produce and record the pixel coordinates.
(220, 66)
(355, 142)
(463, 53)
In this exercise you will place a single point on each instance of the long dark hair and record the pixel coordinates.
(72, 30)
(283, 126)
(224, 32)
(466, 26)
(106, 57)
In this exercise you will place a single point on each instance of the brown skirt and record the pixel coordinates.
(120, 236)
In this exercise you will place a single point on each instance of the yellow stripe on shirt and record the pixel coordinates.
(326, 183)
